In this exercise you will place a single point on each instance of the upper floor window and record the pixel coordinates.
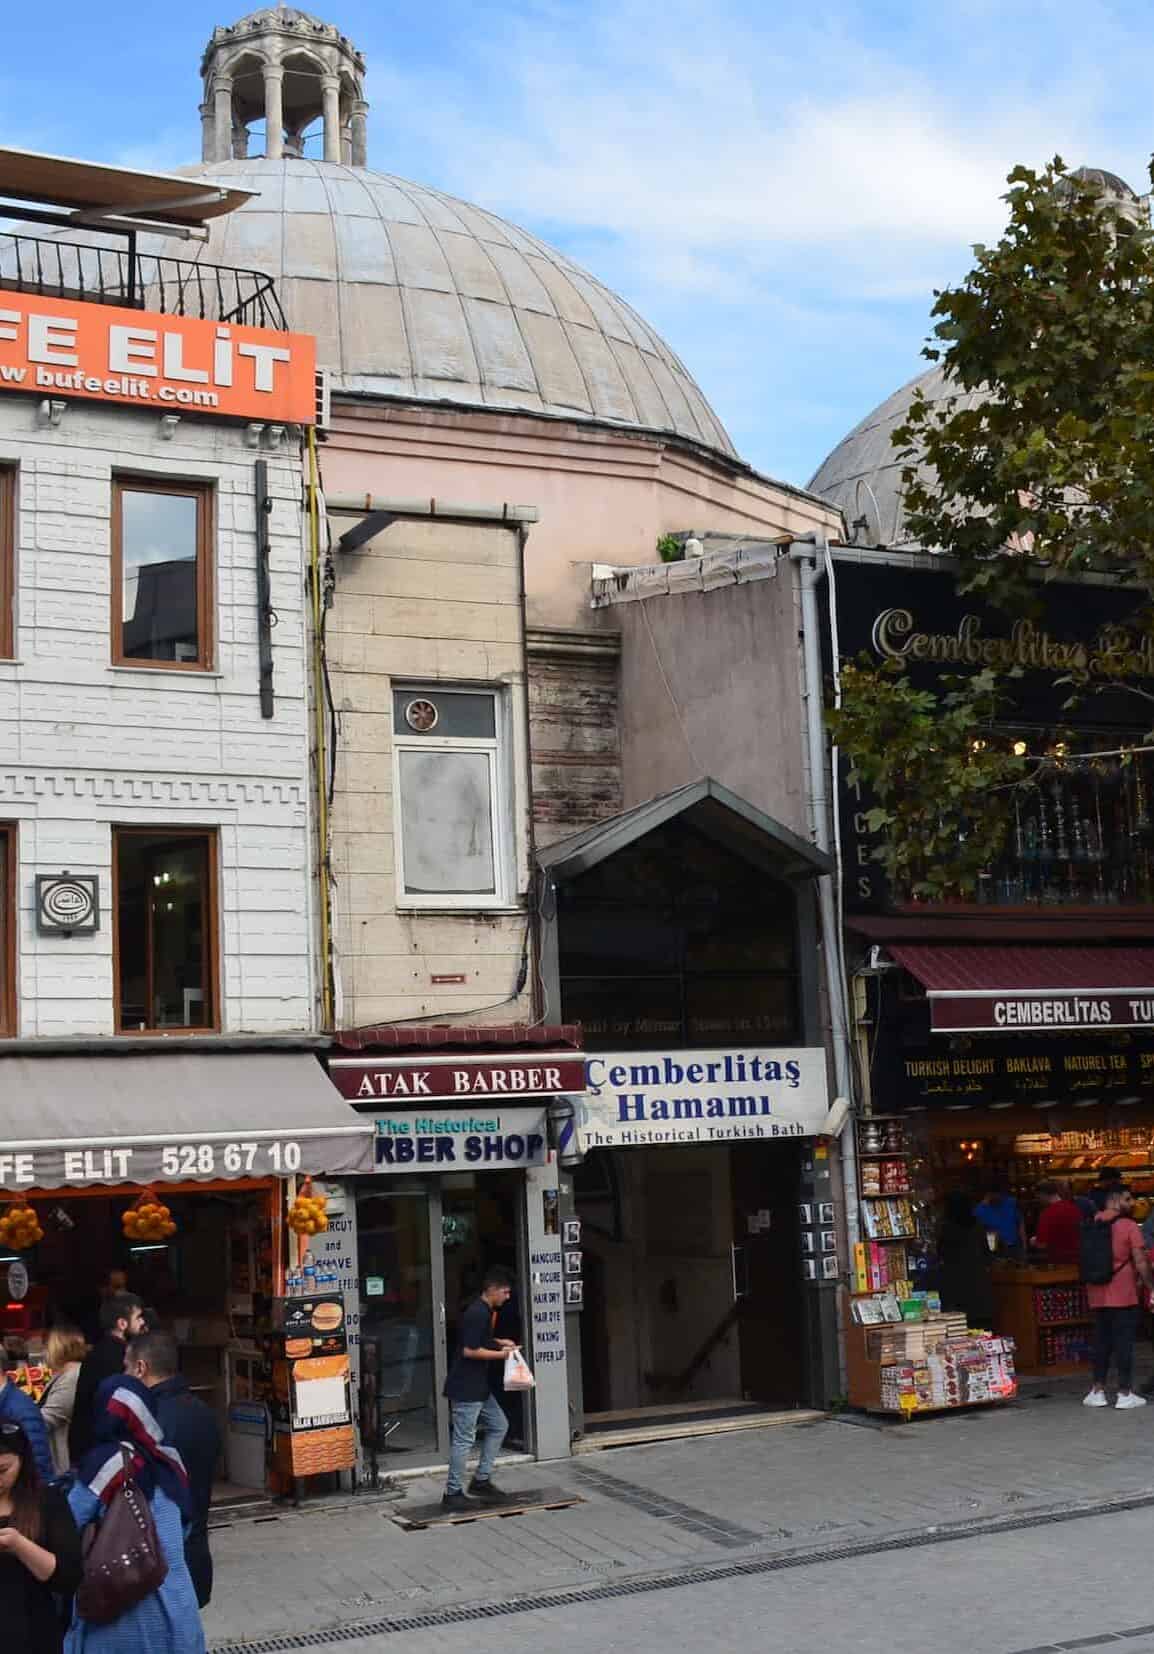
(161, 573)
(453, 824)
(7, 930)
(7, 561)
(166, 926)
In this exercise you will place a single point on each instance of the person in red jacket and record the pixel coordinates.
(1059, 1225)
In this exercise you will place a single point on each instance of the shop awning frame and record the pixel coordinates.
(1022, 989)
(227, 1115)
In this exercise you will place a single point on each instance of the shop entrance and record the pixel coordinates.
(693, 1297)
(423, 1248)
(210, 1284)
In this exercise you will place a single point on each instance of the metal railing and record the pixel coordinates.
(138, 281)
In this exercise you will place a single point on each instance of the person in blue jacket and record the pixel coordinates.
(17, 1408)
(167, 1621)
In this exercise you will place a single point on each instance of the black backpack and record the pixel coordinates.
(1096, 1253)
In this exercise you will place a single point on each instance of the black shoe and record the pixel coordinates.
(488, 1493)
(457, 1502)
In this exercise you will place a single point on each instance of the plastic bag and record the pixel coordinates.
(517, 1374)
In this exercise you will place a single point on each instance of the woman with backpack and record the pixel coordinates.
(129, 1443)
(1114, 1260)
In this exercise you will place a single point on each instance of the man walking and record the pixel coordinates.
(120, 1320)
(472, 1402)
(1115, 1302)
(189, 1426)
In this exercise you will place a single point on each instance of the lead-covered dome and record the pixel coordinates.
(863, 474)
(413, 293)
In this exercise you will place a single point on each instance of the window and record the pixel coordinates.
(7, 561)
(7, 930)
(161, 574)
(450, 790)
(165, 945)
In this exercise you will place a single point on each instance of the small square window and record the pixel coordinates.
(161, 574)
(453, 823)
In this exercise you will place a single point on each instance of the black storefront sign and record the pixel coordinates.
(916, 615)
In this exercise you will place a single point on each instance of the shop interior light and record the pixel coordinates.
(1087, 1102)
(958, 1108)
(1010, 1104)
(1126, 1102)
(1050, 1102)
(9, 1257)
(156, 1246)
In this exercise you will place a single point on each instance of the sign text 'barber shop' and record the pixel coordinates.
(489, 1141)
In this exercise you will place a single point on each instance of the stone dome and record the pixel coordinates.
(863, 474)
(412, 293)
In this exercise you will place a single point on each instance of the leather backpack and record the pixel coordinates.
(123, 1561)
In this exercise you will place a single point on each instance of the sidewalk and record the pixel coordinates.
(678, 1504)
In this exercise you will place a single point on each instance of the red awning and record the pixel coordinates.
(979, 990)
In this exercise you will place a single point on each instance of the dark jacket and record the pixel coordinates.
(104, 1360)
(30, 1621)
(190, 1426)
(965, 1280)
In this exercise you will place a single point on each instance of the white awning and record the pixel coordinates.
(173, 1117)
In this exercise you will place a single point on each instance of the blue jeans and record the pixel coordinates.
(466, 1416)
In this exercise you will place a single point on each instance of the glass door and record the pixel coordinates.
(482, 1222)
(402, 1317)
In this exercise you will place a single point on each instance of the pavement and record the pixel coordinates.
(859, 1498)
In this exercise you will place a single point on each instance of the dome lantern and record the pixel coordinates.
(291, 70)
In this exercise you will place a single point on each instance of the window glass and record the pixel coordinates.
(7, 930)
(163, 922)
(159, 543)
(455, 716)
(446, 809)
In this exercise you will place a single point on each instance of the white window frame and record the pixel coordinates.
(501, 816)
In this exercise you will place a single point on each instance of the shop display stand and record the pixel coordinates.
(885, 1193)
(1032, 1305)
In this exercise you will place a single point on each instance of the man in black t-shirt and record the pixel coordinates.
(467, 1389)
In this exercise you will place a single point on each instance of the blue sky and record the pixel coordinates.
(778, 190)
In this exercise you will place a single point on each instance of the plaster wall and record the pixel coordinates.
(711, 684)
(603, 495)
(85, 745)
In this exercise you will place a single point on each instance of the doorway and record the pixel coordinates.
(693, 1291)
(423, 1248)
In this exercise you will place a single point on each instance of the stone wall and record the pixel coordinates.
(430, 603)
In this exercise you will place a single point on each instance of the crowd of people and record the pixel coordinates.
(117, 1422)
(1096, 1232)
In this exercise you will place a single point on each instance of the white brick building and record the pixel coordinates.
(89, 746)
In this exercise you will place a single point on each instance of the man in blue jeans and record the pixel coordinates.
(472, 1401)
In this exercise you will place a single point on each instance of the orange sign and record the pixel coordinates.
(173, 364)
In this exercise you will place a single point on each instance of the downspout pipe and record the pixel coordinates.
(810, 555)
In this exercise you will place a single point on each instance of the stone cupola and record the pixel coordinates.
(291, 71)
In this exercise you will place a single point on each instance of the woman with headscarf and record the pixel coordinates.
(168, 1620)
(39, 1551)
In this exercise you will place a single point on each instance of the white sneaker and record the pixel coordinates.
(1096, 1398)
(1128, 1399)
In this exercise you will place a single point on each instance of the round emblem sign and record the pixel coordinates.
(67, 904)
(17, 1280)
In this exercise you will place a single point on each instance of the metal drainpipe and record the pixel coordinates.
(810, 555)
(536, 998)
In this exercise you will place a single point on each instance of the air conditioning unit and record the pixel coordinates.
(324, 399)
